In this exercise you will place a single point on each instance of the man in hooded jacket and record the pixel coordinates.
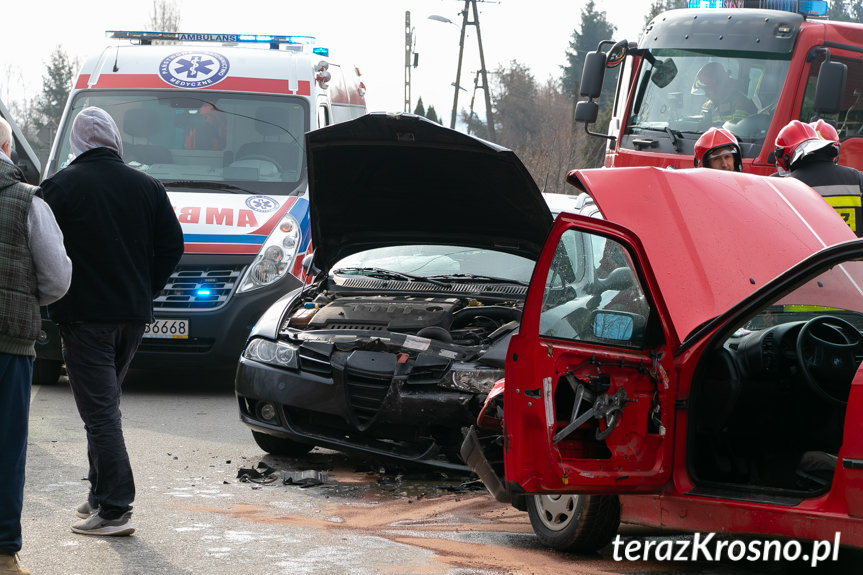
(124, 241)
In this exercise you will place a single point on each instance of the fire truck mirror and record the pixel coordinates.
(586, 112)
(830, 87)
(591, 74)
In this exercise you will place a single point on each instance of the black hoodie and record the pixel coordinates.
(119, 228)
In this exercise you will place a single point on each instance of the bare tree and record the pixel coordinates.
(165, 16)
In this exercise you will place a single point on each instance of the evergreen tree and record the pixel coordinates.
(431, 114)
(48, 107)
(420, 110)
(595, 27)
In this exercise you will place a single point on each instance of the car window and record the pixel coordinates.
(849, 120)
(595, 297)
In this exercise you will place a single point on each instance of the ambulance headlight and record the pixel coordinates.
(276, 257)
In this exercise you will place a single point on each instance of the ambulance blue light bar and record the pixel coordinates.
(149, 37)
(813, 8)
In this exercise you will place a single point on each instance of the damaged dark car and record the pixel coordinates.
(424, 242)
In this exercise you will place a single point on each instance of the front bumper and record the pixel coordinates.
(412, 424)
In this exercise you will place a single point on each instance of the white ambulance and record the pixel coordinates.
(219, 119)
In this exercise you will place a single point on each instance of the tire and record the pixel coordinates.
(46, 371)
(280, 446)
(575, 523)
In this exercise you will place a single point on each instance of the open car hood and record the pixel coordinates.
(713, 237)
(393, 179)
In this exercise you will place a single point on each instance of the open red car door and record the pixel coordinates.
(590, 393)
(590, 378)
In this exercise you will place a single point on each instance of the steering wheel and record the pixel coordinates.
(262, 158)
(827, 364)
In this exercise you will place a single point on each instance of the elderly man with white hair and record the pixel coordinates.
(34, 271)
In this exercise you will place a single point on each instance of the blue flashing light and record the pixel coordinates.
(203, 293)
(325, 52)
(147, 37)
(813, 8)
(301, 39)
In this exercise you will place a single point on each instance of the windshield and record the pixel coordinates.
(189, 140)
(836, 292)
(687, 92)
(450, 263)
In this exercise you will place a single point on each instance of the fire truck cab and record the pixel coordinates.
(778, 58)
(219, 119)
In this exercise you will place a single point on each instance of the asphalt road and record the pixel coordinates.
(193, 514)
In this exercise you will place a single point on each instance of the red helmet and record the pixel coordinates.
(825, 130)
(714, 139)
(797, 140)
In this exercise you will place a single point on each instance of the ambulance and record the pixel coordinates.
(219, 120)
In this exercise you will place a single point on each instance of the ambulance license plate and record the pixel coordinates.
(168, 329)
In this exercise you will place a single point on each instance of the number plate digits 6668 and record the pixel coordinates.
(168, 329)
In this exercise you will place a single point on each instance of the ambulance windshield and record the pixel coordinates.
(254, 142)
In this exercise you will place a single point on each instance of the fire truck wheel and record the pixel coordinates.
(46, 371)
(575, 523)
(280, 446)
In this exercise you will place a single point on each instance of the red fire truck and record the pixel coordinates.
(788, 63)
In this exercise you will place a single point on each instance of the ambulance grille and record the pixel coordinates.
(198, 287)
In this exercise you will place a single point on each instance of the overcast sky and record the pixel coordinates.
(369, 34)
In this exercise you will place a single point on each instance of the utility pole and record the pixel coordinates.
(409, 41)
(471, 4)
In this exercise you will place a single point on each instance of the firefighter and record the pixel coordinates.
(718, 149)
(725, 103)
(810, 158)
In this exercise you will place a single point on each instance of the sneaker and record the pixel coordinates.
(97, 525)
(9, 565)
(84, 511)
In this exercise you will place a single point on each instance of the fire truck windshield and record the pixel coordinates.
(253, 141)
(686, 92)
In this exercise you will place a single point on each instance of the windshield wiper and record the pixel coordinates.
(388, 274)
(205, 185)
(466, 277)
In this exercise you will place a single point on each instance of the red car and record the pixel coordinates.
(688, 362)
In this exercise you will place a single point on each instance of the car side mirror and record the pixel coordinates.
(612, 325)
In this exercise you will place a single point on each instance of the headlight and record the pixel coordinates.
(280, 354)
(276, 257)
(474, 380)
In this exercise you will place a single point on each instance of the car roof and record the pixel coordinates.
(713, 237)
